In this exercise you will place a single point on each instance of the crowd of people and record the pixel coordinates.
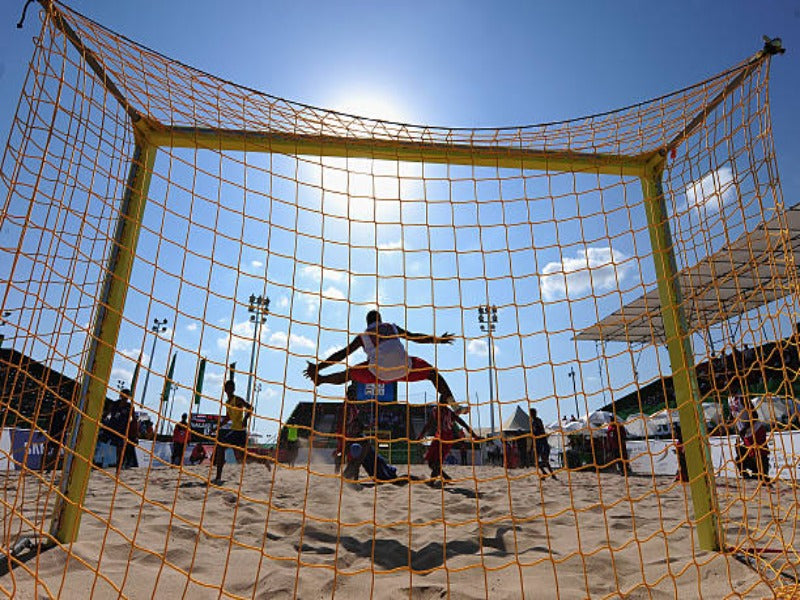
(387, 361)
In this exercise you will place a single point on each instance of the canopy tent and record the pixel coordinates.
(661, 423)
(597, 420)
(776, 409)
(519, 421)
(741, 276)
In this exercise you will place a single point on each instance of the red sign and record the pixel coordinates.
(204, 424)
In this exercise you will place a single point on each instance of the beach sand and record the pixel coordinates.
(305, 533)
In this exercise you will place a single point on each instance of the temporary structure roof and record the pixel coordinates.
(519, 421)
(776, 409)
(660, 423)
(743, 275)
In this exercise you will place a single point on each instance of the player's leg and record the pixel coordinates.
(219, 456)
(359, 373)
(422, 370)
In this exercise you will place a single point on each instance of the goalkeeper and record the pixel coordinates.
(387, 359)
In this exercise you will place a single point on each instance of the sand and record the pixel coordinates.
(305, 533)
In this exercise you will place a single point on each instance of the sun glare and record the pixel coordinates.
(372, 104)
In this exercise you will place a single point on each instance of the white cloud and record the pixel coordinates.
(317, 273)
(212, 378)
(593, 269)
(395, 245)
(269, 393)
(333, 293)
(295, 341)
(311, 301)
(283, 302)
(191, 327)
(124, 374)
(256, 264)
(130, 354)
(480, 347)
(711, 192)
(240, 338)
(330, 350)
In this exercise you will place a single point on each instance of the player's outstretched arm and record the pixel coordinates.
(312, 369)
(424, 338)
(466, 426)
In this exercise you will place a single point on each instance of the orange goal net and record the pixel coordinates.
(258, 349)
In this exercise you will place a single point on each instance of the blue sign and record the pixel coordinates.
(27, 446)
(382, 392)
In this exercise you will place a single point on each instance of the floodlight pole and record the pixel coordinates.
(159, 326)
(259, 307)
(574, 392)
(487, 318)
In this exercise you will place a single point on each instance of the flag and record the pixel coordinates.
(198, 382)
(135, 377)
(168, 381)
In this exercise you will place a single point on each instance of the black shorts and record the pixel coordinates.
(234, 438)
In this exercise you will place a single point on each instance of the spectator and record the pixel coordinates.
(180, 436)
(132, 437)
(494, 453)
(198, 454)
(541, 446)
(752, 455)
(55, 435)
(682, 474)
(616, 438)
(115, 422)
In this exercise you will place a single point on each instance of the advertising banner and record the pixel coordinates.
(27, 446)
(382, 392)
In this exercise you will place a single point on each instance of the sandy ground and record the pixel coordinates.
(305, 533)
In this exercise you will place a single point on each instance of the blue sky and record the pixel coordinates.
(458, 64)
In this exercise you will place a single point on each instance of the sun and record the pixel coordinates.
(371, 103)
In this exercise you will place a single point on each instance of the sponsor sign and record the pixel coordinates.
(382, 392)
(204, 424)
(27, 446)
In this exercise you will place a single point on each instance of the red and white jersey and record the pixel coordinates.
(386, 354)
(748, 425)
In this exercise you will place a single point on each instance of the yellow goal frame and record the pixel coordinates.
(149, 136)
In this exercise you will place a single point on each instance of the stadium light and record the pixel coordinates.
(487, 319)
(159, 326)
(259, 309)
(574, 392)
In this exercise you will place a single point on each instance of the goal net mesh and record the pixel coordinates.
(165, 230)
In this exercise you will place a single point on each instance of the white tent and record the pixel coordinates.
(663, 422)
(598, 418)
(712, 414)
(574, 425)
(639, 425)
(519, 421)
(776, 409)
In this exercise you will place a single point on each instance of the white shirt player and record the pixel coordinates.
(387, 357)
